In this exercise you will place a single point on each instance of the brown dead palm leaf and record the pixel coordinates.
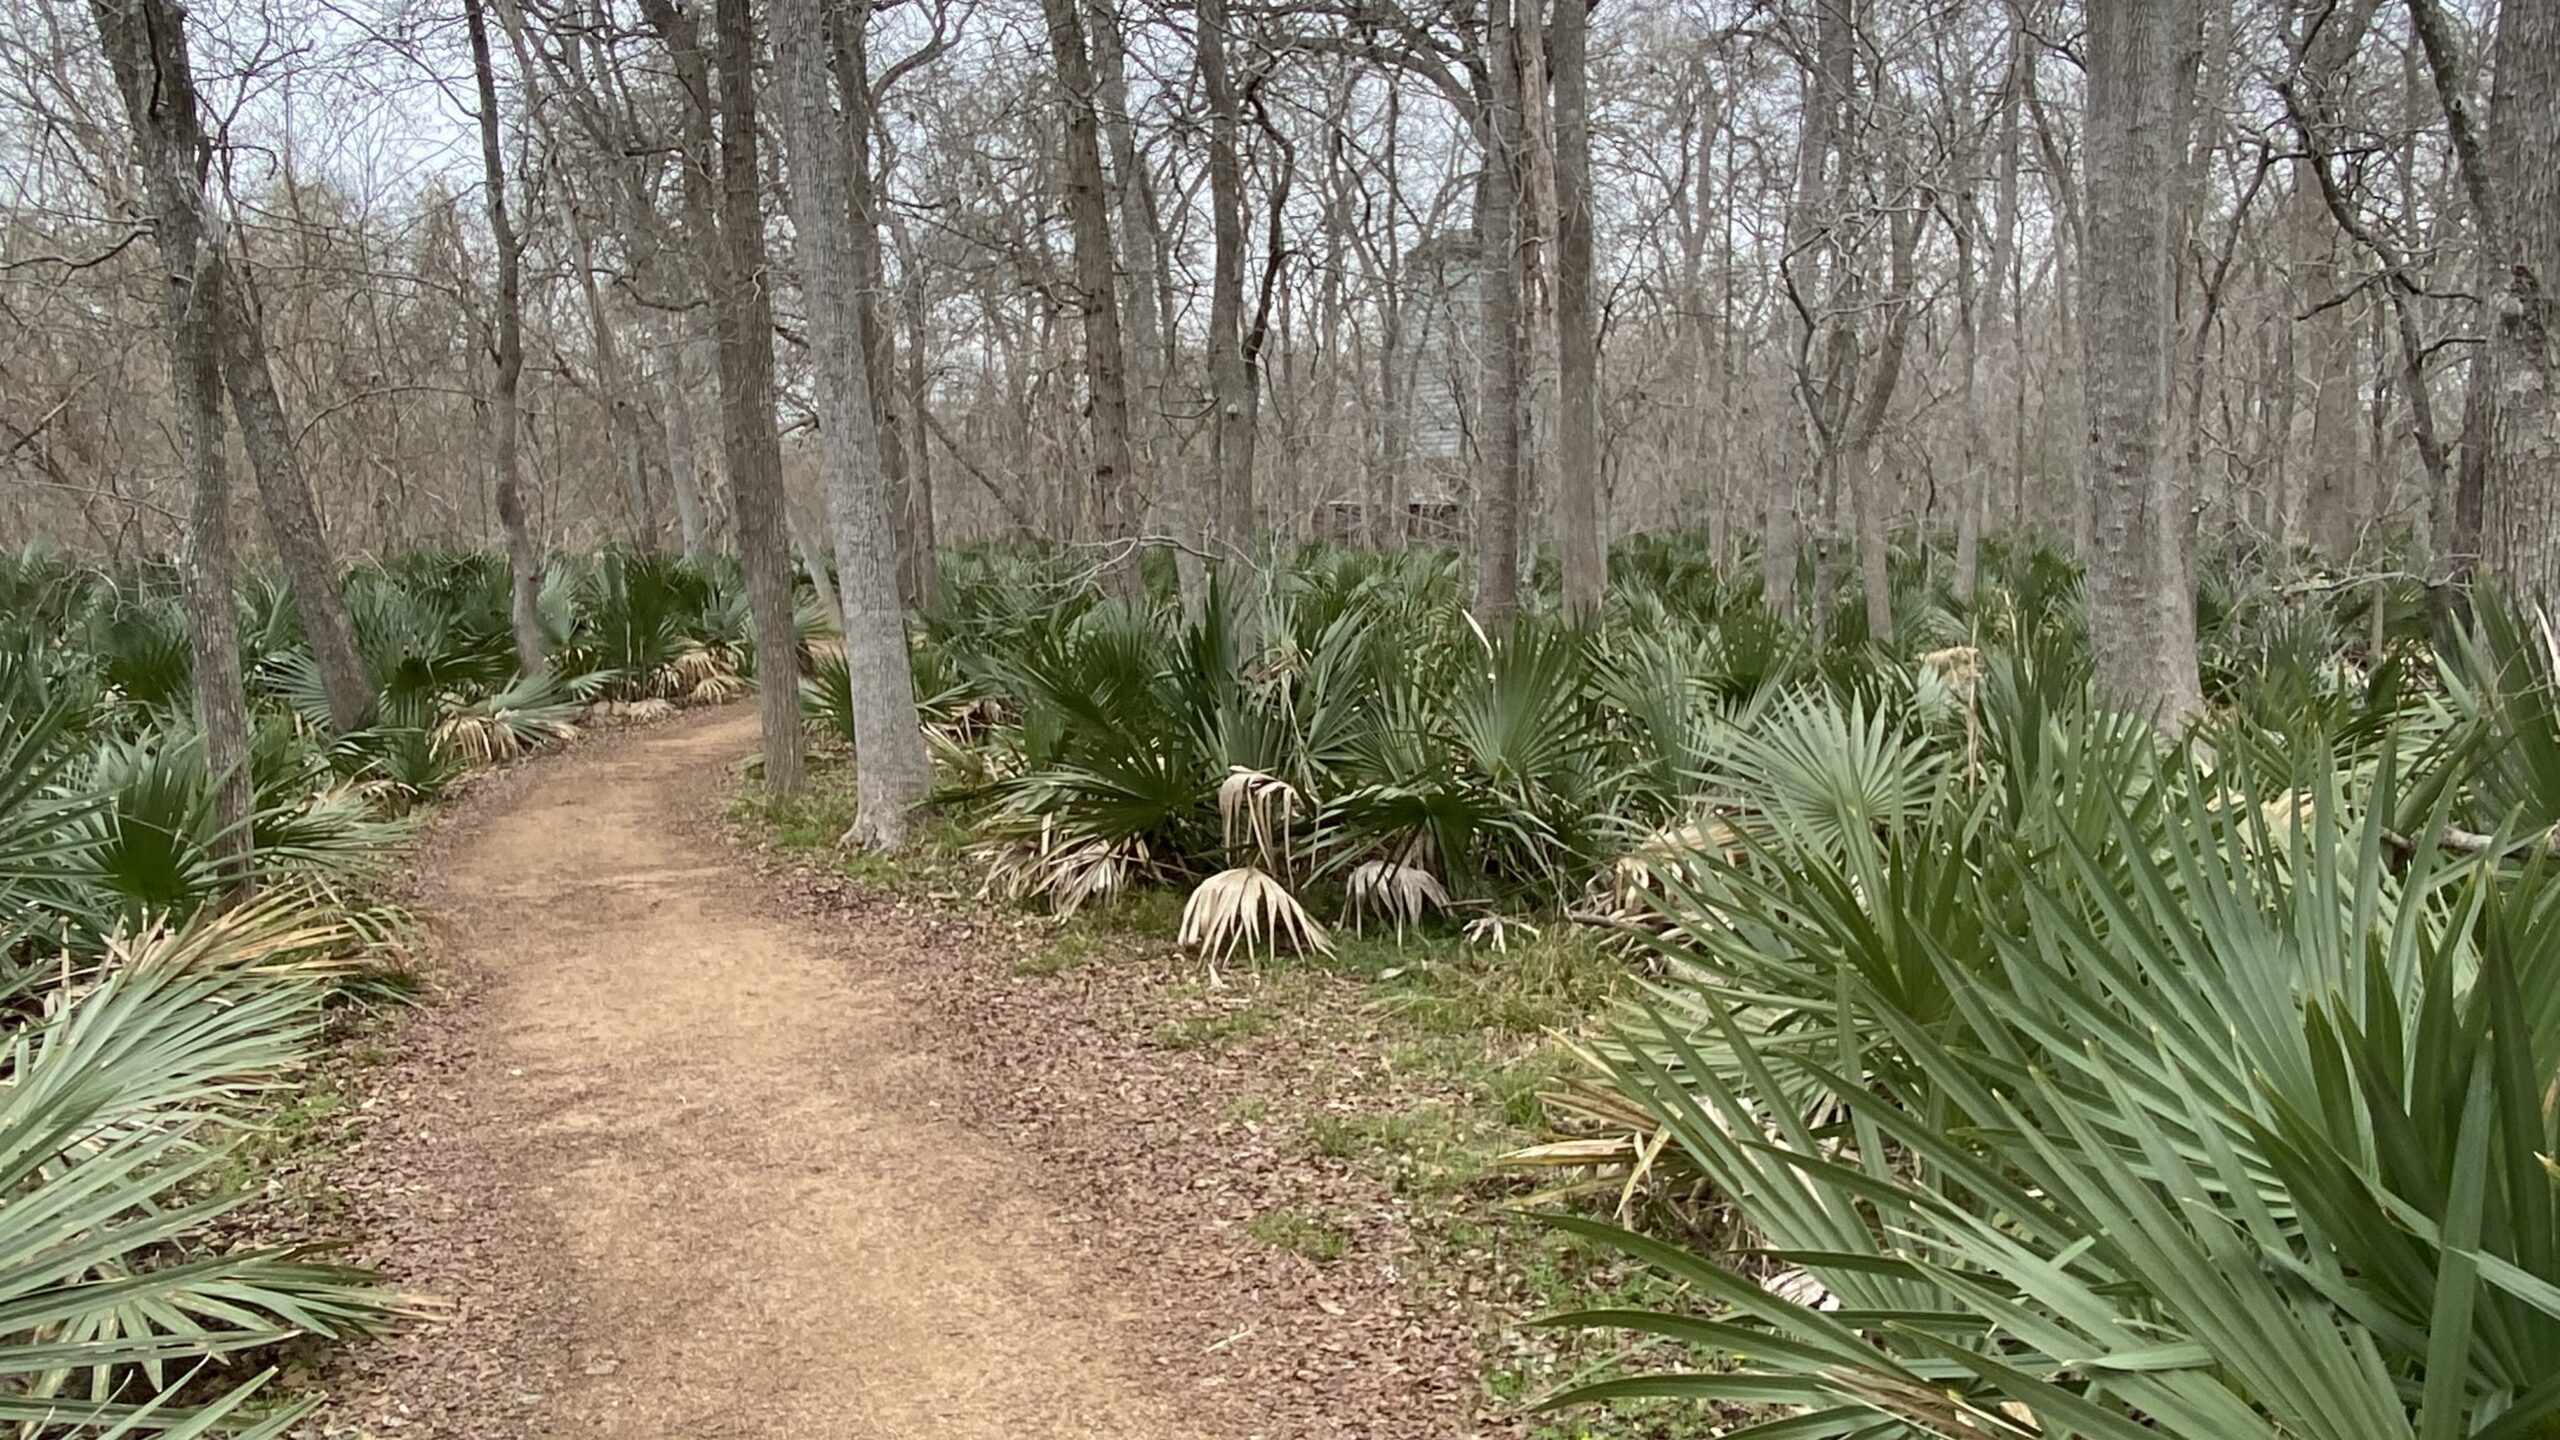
(1250, 909)
(1262, 806)
(1067, 871)
(1401, 894)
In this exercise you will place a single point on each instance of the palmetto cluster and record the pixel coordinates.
(2052, 1075)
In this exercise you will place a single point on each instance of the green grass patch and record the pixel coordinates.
(1317, 1236)
(1215, 1031)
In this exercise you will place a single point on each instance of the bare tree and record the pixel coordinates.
(293, 519)
(1089, 213)
(506, 356)
(2515, 199)
(2133, 131)
(1498, 261)
(746, 393)
(892, 772)
(146, 44)
(1231, 379)
(1581, 506)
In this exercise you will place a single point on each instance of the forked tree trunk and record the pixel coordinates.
(1097, 289)
(2133, 134)
(746, 394)
(1581, 504)
(146, 46)
(1868, 496)
(506, 354)
(1155, 456)
(293, 519)
(1805, 475)
(892, 772)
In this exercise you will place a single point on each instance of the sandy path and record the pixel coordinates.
(704, 1148)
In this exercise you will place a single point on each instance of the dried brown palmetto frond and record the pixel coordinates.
(1638, 876)
(627, 712)
(1262, 807)
(1493, 932)
(487, 738)
(1248, 908)
(1068, 872)
(699, 674)
(1401, 894)
(1960, 666)
(717, 689)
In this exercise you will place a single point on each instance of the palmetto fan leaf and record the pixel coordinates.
(2200, 1149)
(107, 1292)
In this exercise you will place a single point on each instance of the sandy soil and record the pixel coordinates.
(680, 1171)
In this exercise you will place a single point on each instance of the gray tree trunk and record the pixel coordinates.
(1231, 382)
(293, 519)
(1581, 503)
(2520, 483)
(145, 42)
(1106, 363)
(506, 354)
(917, 302)
(1807, 457)
(746, 395)
(892, 774)
(2133, 136)
(684, 450)
(1155, 457)
(1497, 590)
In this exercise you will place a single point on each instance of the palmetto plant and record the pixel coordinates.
(113, 1096)
(2080, 1101)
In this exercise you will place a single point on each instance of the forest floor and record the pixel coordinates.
(706, 1140)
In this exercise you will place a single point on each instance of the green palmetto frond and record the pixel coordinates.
(2220, 1141)
(531, 712)
(110, 1121)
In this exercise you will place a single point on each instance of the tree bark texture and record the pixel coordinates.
(146, 46)
(892, 773)
(506, 357)
(2133, 138)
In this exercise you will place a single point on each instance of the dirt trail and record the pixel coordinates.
(687, 1179)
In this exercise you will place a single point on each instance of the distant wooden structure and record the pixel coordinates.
(1441, 326)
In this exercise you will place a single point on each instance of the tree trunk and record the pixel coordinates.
(1804, 321)
(921, 521)
(506, 355)
(1497, 595)
(746, 393)
(2520, 515)
(806, 544)
(892, 772)
(1106, 366)
(2133, 135)
(1581, 506)
(1868, 496)
(146, 46)
(613, 383)
(684, 450)
(1231, 385)
(293, 519)
(1156, 469)
(850, 57)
